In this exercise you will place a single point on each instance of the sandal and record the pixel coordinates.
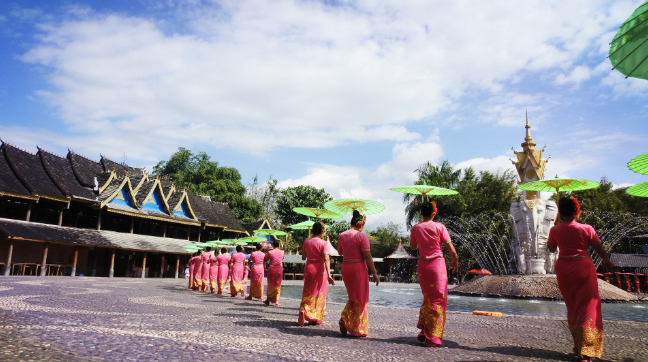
(343, 328)
(421, 337)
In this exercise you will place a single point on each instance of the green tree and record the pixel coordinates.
(335, 228)
(205, 177)
(443, 175)
(299, 196)
(386, 239)
(266, 195)
(605, 198)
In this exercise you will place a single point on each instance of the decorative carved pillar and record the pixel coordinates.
(74, 262)
(132, 224)
(60, 219)
(111, 273)
(188, 231)
(165, 230)
(144, 266)
(43, 270)
(7, 270)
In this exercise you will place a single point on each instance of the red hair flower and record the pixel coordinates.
(434, 207)
(578, 210)
(361, 223)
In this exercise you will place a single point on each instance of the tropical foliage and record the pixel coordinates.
(205, 177)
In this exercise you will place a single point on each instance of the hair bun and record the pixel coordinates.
(356, 213)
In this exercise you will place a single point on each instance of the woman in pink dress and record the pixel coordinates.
(213, 273)
(316, 273)
(198, 271)
(275, 273)
(191, 262)
(236, 275)
(577, 279)
(206, 259)
(427, 236)
(353, 246)
(256, 280)
(223, 269)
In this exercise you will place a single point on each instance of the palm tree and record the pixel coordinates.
(443, 175)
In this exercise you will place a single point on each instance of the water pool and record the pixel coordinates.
(411, 297)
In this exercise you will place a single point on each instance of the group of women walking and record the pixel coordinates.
(575, 273)
(211, 272)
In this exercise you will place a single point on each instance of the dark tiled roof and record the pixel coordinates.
(51, 233)
(103, 178)
(175, 199)
(251, 226)
(120, 168)
(203, 210)
(137, 181)
(9, 183)
(110, 190)
(60, 171)
(84, 169)
(223, 210)
(29, 169)
(630, 260)
(144, 191)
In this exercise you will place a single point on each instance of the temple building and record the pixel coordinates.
(529, 163)
(74, 216)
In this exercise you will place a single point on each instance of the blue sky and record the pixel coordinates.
(347, 95)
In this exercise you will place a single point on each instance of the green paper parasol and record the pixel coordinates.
(424, 190)
(346, 206)
(559, 184)
(270, 232)
(253, 239)
(308, 224)
(629, 48)
(639, 164)
(317, 213)
(640, 190)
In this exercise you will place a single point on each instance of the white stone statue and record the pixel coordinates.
(532, 220)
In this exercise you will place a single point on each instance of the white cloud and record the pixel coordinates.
(280, 71)
(495, 165)
(621, 186)
(578, 74)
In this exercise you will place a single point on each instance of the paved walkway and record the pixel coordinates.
(100, 319)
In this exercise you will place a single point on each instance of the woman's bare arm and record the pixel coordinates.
(366, 255)
(327, 263)
(454, 265)
(598, 247)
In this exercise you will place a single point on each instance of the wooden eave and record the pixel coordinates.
(26, 197)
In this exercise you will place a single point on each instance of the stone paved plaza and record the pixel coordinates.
(99, 319)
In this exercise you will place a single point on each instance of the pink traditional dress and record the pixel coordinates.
(197, 273)
(236, 275)
(213, 274)
(578, 285)
(256, 280)
(206, 259)
(355, 315)
(275, 274)
(223, 271)
(313, 301)
(191, 271)
(432, 274)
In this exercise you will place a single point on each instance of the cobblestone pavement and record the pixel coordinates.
(100, 319)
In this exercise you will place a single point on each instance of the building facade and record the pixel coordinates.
(74, 216)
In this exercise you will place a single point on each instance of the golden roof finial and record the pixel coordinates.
(528, 128)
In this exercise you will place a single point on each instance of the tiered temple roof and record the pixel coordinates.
(108, 185)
